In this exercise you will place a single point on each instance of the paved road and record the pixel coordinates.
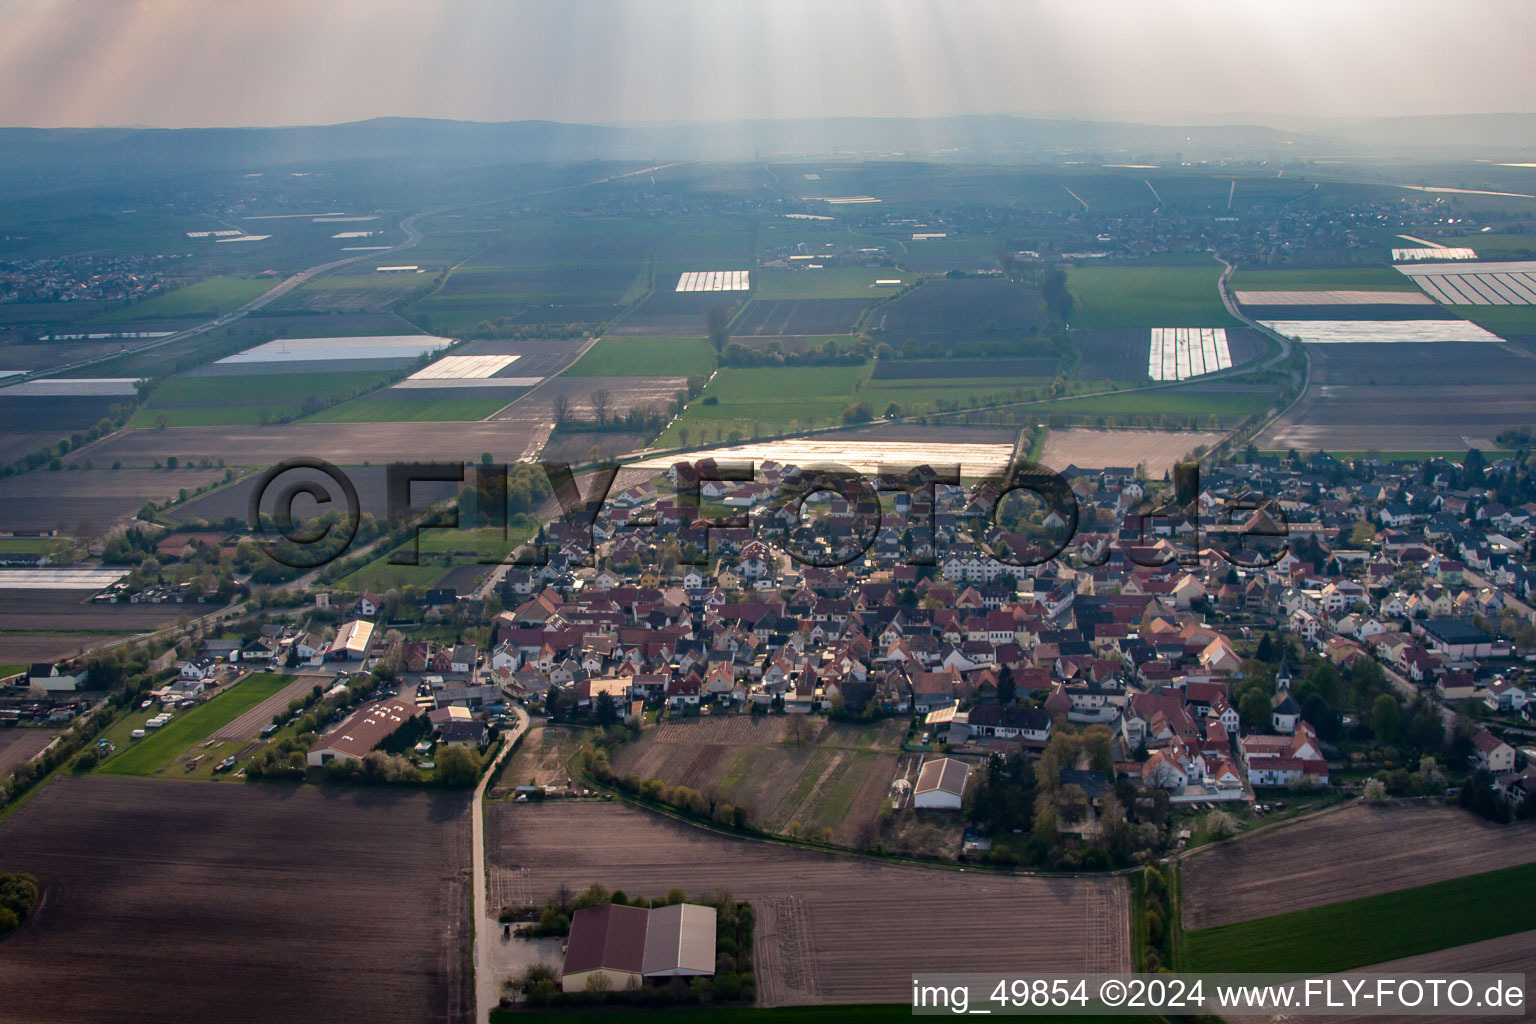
(487, 981)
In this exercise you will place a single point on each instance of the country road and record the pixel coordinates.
(487, 981)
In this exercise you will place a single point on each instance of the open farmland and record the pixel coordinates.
(1373, 929)
(203, 300)
(250, 398)
(945, 369)
(31, 422)
(1409, 397)
(645, 357)
(1321, 279)
(96, 499)
(1148, 297)
(799, 317)
(673, 314)
(184, 905)
(828, 781)
(945, 309)
(511, 436)
(829, 283)
(70, 611)
(770, 398)
(1157, 450)
(18, 745)
(1511, 954)
(1121, 353)
(814, 939)
(1316, 861)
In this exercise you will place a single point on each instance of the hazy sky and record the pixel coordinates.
(261, 62)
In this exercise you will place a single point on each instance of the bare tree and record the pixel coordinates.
(600, 402)
(562, 408)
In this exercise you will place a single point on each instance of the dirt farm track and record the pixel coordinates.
(830, 929)
(204, 902)
(1342, 855)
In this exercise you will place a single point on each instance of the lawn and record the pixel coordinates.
(150, 755)
(770, 399)
(1322, 279)
(249, 399)
(415, 410)
(827, 283)
(210, 298)
(645, 357)
(1148, 297)
(1373, 929)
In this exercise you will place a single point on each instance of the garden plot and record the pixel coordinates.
(714, 281)
(1382, 332)
(1179, 353)
(1477, 284)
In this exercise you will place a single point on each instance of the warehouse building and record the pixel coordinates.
(941, 785)
(616, 947)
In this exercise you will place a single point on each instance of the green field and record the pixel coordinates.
(1374, 929)
(826, 283)
(1322, 279)
(439, 552)
(243, 399)
(645, 357)
(27, 545)
(1148, 297)
(414, 410)
(1496, 246)
(151, 754)
(210, 298)
(1157, 402)
(770, 399)
(1501, 320)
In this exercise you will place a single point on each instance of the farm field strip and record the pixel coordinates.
(464, 367)
(1380, 332)
(181, 904)
(1316, 861)
(60, 387)
(300, 350)
(1179, 353)
(58, 579)
(860, 456)
(714, 281)
(814, 943)
(1330, 297)
(1373, 929)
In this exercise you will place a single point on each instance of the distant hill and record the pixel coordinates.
(99, 154)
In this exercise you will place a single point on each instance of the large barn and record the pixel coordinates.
(616, 947)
